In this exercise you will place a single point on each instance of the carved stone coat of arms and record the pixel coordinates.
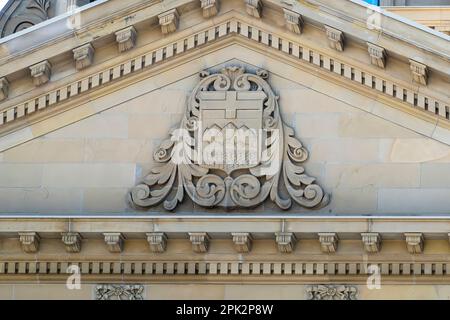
(232, 150)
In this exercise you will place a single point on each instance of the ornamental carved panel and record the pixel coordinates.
(329, 292)
(119, 292)
(231, 150)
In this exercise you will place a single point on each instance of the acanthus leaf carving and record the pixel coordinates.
(207, 159)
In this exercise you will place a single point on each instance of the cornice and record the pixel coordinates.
(357, 11)
(162, 55)
(343, 10)
(166, 249)
(90, 26)
(228, 271)
(346, 227)
(415, 100)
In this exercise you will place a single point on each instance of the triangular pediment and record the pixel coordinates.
(311, 48)
(112, 150)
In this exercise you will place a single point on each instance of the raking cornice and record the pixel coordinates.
(60, 95)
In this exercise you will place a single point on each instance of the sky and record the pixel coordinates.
(376, 2)
(2, 3)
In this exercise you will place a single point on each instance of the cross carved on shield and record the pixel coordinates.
(225, 113)
(240, 108)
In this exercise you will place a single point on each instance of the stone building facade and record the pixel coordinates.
(108, 112)
(433, 14)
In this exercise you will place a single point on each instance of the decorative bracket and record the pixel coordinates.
(414, 242)
(377, 55)
(335, 38)
(126, 39)
(328, 242)
(254, 8)
(371, 241)
(72, 241)
(286, 241)
(169, 21)
(200, 241)
(83, 56)
(210, 8)
(419, 72)
(242, 241)
(114, 241)
(29, 241)
(41, 73)
(294, 21)
(157, 241)
(4, 88)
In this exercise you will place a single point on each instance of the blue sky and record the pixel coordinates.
(372, 1)
(2, 3)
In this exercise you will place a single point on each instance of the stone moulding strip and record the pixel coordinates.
(436, 111)
(224, 268)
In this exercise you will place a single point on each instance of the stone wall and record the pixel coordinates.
(222, 291)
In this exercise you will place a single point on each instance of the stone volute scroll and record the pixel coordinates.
(232, 150)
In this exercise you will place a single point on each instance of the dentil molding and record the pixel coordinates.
(433, 108)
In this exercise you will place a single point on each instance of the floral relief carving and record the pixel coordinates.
(328, 292)
(119, 292)
(223, 107)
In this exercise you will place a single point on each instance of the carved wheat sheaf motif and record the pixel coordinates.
(232, 150)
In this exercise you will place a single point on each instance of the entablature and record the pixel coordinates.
(281, 249)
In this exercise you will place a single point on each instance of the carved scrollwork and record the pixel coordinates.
(232, 150)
